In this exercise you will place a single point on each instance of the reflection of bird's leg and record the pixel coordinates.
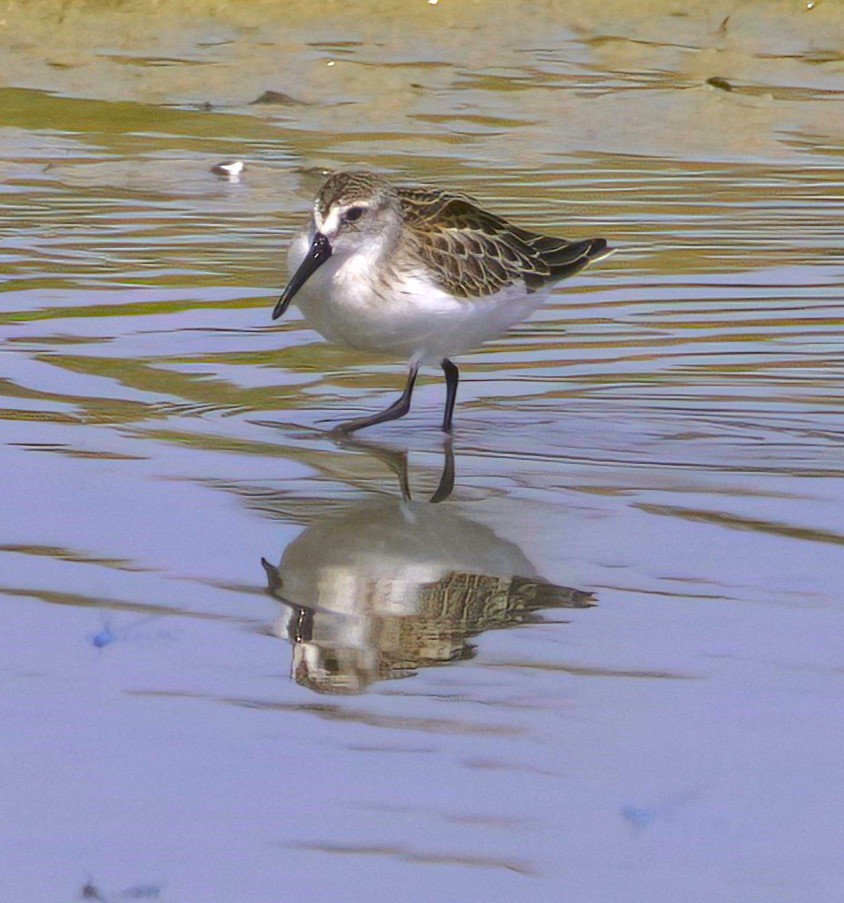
(395, 459)
(446, 484)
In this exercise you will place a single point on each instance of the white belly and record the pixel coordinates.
(415, 320)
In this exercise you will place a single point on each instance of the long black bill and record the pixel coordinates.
(318, 253)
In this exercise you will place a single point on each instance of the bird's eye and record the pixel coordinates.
(353, 214)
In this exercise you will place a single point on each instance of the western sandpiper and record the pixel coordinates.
(419, 273)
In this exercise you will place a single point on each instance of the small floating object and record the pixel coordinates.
(104, 638)
(108, 634)
(278, 97)
(721, 83)
(230, 169)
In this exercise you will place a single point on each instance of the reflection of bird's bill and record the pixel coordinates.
(318, 253)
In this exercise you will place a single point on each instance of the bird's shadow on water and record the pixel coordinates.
(388, 585)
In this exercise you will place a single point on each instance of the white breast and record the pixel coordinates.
(346, 303)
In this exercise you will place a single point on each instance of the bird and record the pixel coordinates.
(420, 273)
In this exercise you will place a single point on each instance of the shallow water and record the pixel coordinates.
(607, 666)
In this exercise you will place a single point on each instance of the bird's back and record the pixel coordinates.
(471, 252)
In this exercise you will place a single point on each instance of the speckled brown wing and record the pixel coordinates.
(472, 253)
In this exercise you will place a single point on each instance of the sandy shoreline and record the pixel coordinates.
(719, 80)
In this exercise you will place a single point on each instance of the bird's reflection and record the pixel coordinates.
(393, 585)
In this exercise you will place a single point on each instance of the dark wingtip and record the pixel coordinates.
(599, 249)
(564, 259)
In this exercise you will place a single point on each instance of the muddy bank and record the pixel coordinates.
(720, 80)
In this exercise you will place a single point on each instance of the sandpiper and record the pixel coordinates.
(419, 273)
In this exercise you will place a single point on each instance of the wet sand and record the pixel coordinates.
(719, 80)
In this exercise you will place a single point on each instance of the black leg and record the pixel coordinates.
(397, 409)
(452, 377)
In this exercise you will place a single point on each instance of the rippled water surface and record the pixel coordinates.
(591, 648)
